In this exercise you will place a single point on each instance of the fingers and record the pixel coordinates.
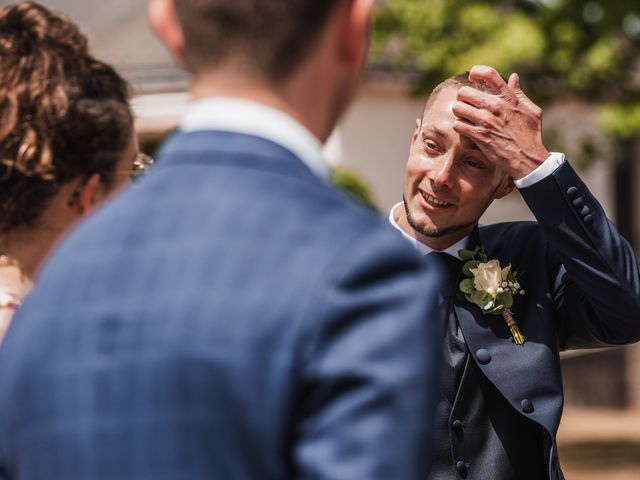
(514, 81)
(492, 78)
(510, 91)
(473, 132)
(480, 99)
(471, 114)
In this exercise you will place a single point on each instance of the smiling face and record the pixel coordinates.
(449, 182)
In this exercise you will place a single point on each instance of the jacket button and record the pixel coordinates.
(527, 406)
(572, 192)
(585, 211)
(462, 469)
(457, 425)
(578, 202)
(483, 356)
(588, 219)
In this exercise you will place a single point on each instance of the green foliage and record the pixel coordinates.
(561, 48)
(350, 183)
(623, 121)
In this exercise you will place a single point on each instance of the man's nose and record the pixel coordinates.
(441, 175)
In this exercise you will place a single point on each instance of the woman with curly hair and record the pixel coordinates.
(66, 140)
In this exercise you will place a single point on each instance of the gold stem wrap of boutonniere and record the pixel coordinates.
(491, 287)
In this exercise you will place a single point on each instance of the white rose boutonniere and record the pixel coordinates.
(491, 287)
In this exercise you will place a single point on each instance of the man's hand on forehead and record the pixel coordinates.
(506, 125)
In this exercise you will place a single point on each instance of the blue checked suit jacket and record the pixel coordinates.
(231, 317)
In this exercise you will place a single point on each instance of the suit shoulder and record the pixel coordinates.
(363, 229)
(522, 236)
(512, 230)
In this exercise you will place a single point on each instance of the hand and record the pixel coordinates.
(506, 126)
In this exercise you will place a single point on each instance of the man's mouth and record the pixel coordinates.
(433, 201)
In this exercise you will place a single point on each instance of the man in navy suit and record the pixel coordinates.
(578, 284)
(233, 316)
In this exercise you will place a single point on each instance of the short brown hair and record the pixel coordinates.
(272, 36)
(63, 114)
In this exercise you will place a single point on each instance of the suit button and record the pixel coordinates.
(588, 219)
(585, 211)
(572, 192)
(527, 406)
(578, 202)
(462, 469)
(457, 425)
(483, 356)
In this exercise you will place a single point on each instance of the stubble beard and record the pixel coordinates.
(434, 232)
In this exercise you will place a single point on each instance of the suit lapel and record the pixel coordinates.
(518, 372)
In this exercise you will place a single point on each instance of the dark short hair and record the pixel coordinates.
(269, 36)
(63, 114)
(459, 80)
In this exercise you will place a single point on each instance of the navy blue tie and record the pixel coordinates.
(454, 349)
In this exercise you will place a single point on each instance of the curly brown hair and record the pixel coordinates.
(63, 113)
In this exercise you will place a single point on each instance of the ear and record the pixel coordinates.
(416, 131)
(91, 193)
(505, 188)
(356, 32)
(164, 21)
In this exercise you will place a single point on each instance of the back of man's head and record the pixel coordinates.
(269, 37)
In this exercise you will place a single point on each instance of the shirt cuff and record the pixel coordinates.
(553, 161)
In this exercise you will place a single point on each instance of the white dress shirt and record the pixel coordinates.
(552, 162)
(238, 115)
(421, 247)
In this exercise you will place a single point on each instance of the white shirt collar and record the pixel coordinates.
(421, 247)
(253, 118)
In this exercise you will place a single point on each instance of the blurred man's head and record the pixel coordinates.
(299, 48)
(270, 36)
(449, 182)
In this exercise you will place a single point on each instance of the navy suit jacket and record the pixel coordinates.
(582, 289)
(230, 317)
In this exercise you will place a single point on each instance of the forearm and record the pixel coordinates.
(599, 262)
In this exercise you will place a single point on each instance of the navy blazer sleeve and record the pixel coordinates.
(370, 369)
(597, 282)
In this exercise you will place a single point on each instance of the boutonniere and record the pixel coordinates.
(491, 287)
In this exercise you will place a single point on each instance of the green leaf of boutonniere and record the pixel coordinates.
(466, 268)
(466, 286)
(467, 254)
(505, 299)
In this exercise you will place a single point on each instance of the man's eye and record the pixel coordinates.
(473, 164)
(430, 145)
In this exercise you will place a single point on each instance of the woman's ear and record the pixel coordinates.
(91, 192)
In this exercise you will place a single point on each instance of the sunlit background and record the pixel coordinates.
(579, 60)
